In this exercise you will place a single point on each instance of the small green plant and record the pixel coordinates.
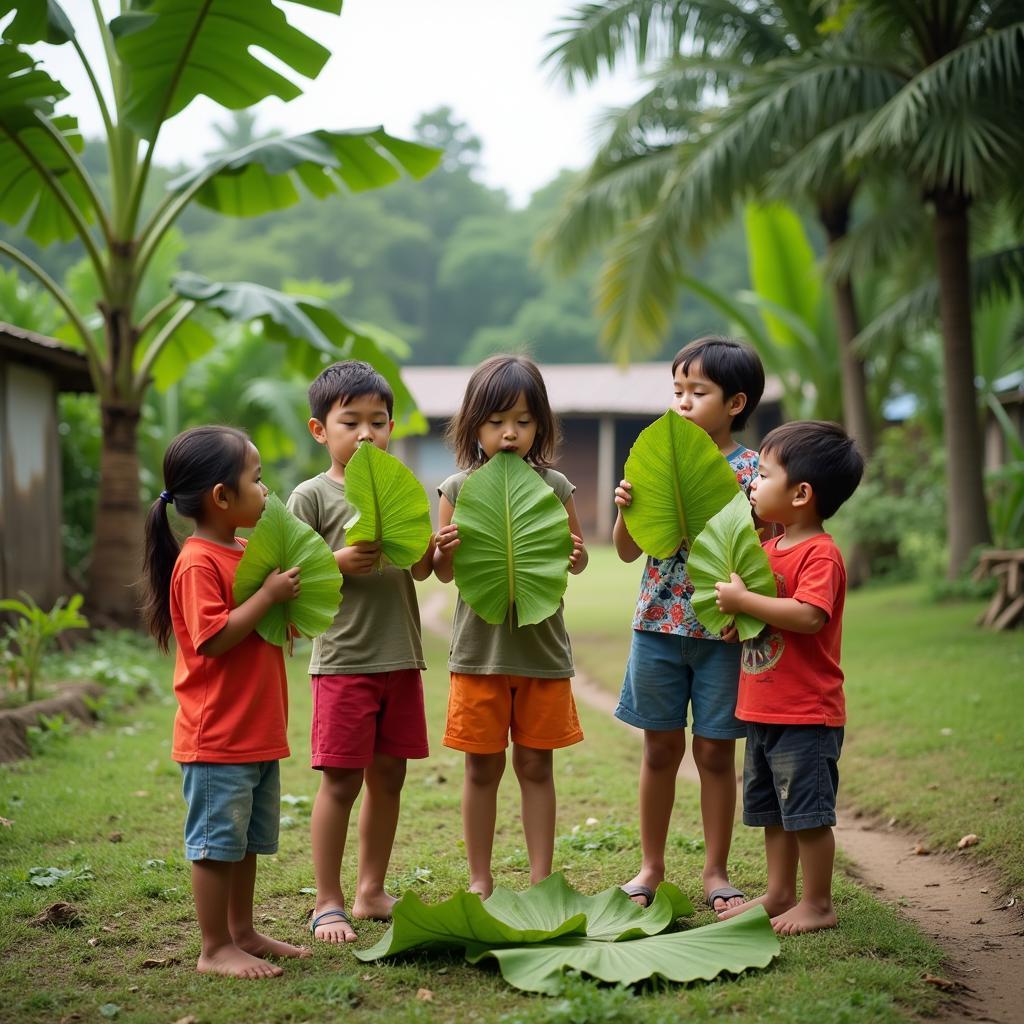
(49, 729)
(35, 630)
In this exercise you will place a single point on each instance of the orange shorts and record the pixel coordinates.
(483, 710)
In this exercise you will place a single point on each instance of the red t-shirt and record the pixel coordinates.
(794, 678)
(232, 708)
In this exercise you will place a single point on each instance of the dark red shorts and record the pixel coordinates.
(355, 717)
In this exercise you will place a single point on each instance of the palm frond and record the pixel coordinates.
(992, 275)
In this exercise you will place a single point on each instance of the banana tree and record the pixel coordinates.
(158, 56)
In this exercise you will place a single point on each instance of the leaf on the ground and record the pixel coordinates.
(549, 910)
(943, 983)
(115, 837)
(153, 962)
(735, 946)
(93, 941)
(425, 995)
(968, 840)
(920, 850)
(110, 1010)
(190, 1019)
(6, 822)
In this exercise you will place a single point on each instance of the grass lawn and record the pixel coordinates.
(934, 736)
(117, 781)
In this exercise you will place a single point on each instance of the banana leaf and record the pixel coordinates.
(391, 506)
(281, 541)
(515, 543)
(728, 544)
(680, 480)
(546, 911)
(735, 946)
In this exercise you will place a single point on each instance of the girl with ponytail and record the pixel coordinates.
(230, 728)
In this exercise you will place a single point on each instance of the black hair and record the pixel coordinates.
(341, 382)
(821, 454)
(194, 463)
(733, 365)
(494, 386)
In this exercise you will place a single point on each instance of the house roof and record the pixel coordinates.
(574, 389)
(69, 368)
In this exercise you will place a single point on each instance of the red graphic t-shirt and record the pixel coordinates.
(794, 678)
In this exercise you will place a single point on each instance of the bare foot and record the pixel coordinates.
(233, 962)
(335, 926)
(804, 917)
(264, 945)
(719, 880)
(482, 888)
(647, 878)
(773, 904)
(375, 907)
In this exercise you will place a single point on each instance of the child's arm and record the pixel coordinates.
(627, 548)
(733, 598)
(277, 587)
(425, 566)
(446, 541)
(579, 557)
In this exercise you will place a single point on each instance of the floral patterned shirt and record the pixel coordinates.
(665, 589)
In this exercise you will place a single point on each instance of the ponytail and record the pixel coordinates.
(195, 462)
(160, 554)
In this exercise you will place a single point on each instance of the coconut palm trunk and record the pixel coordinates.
(966, 515)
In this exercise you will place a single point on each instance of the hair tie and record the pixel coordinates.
(167, 498)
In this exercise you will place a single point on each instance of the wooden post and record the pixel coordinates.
(605, 477)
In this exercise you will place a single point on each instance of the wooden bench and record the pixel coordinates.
(1006, 609)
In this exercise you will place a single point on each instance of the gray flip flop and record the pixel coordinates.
(336, 913)
(725, 892)
(636, 889)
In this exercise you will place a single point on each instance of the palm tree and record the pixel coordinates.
(716, 127)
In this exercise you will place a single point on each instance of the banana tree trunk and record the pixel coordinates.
(117, 547)
(966, 514)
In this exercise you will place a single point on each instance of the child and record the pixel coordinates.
(506, 680)
(230, 728)
(791, 686)
(368, 715)
(673, 660)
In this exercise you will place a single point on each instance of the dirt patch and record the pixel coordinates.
(959, 903)
(14, 722)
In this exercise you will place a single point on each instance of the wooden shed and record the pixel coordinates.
(601, 407)
(33, 370)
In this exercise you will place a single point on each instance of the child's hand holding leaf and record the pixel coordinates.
(729, 596)
(283, 585)
(358, 559)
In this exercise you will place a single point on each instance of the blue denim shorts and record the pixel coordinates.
(233, 809)
(666, 673)
(791, 775)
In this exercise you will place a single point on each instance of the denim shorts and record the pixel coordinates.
(666, 673)
(233, 809)
(791, 775)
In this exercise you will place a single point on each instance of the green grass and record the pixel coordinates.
(137, 905)
(934, 737)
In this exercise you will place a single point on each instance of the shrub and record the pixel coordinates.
(34, 631)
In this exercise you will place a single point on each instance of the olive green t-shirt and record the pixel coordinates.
(377, 628)
(541, 651)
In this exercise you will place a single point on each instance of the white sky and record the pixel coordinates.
(394, 59)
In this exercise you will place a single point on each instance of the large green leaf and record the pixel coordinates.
(281, 541)
(36, 22)
(391, 505)
(515, 543)
(728, 544)
(28, 152)
(172, 51)
(323, 335)
(680, 480)
(546, 911)
(263, 176)
(735, 945)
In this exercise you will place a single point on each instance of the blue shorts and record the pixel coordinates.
(667, 672)
(791, 775)
(233, 809)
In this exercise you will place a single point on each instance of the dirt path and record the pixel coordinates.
(956, 902)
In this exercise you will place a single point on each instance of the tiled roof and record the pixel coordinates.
(68, 367)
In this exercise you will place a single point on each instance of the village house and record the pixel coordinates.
(602, 408)
(33, 370)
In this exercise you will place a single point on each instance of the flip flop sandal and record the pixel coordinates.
(336, 913)
(725, 892)
(635, 889)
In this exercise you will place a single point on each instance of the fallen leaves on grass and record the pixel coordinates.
(58, 915)
(152, 962)
(187, 1020)
(425, 995)
(6, 822)
(115, 837)
(920, 850)
(968, 840)
(943, 983)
